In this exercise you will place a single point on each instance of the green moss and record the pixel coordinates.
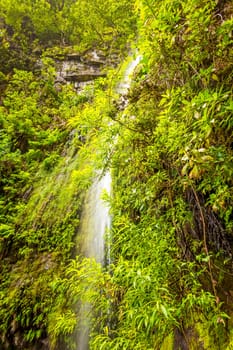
(168, 342)
(205, 337)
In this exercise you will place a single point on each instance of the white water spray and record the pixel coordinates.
(96, 222)
(125, 83)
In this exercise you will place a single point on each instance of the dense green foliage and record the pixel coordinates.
(172, 169)
(170, 150)
(47, 161)
(27, 27)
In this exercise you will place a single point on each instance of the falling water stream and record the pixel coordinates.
(96, 221)
(124, 84)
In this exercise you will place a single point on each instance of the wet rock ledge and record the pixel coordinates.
(81, 69)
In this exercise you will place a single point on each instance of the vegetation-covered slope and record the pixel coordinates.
(172, 206)
(170, 284)
(47, 160)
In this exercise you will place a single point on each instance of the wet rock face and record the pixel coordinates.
(81, 70)
(83, 77)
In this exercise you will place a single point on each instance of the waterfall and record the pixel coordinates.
(96, 221)
(124, 84)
